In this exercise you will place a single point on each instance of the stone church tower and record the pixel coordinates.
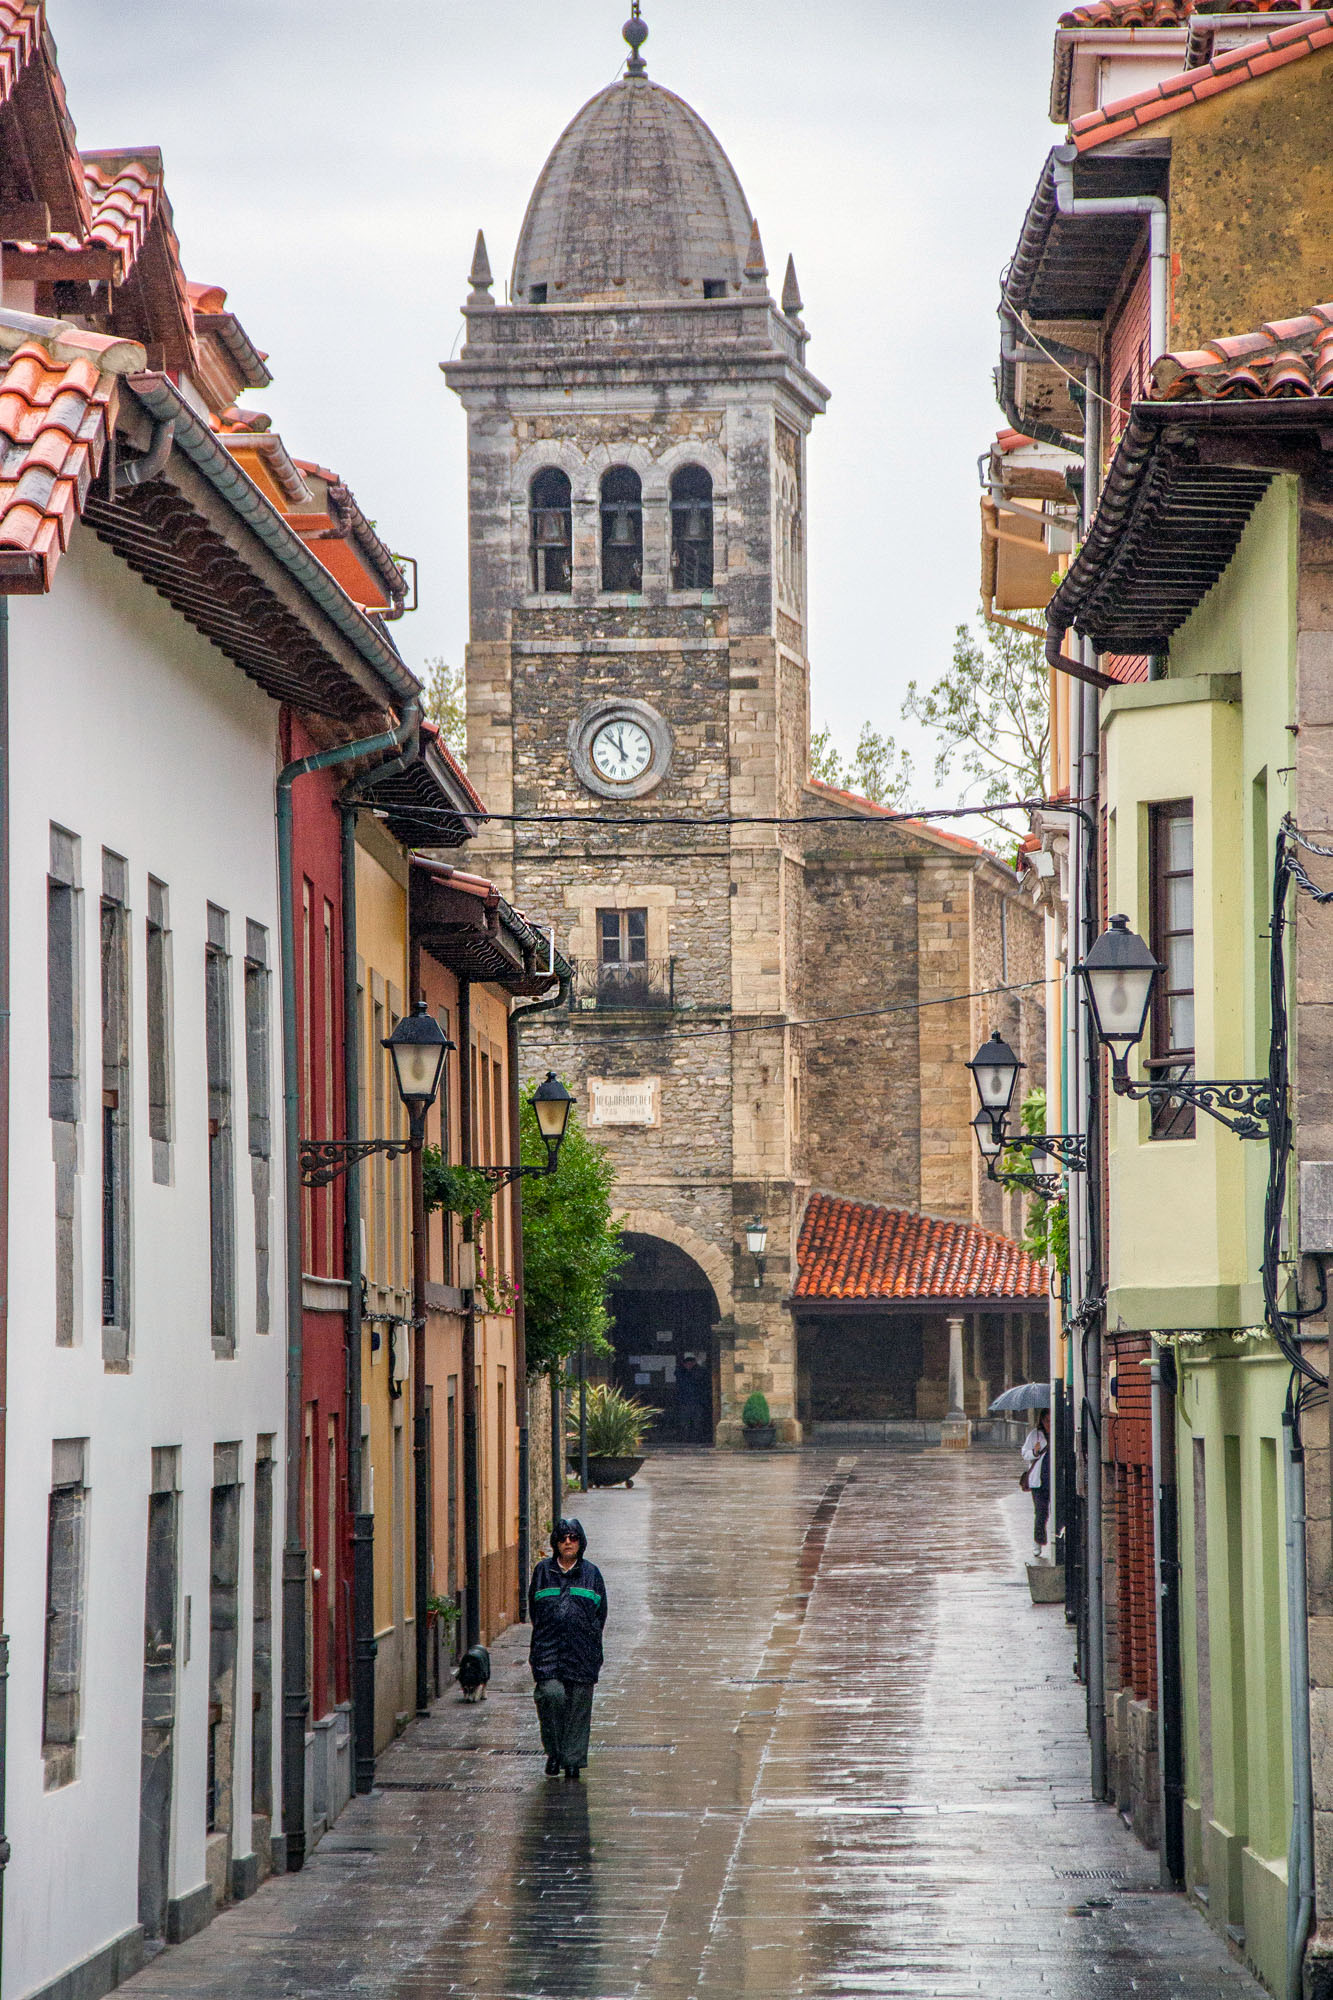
(638, 411)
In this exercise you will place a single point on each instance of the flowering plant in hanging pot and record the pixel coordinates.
(760, 1430)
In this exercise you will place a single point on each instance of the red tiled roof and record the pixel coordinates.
(24, 34)
(1161, 13)
(918, 826)
(1243, 65)
(57, 404)
(853, 1250)
(132, 216)
(1284, 358)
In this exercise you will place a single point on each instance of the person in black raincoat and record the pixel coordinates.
(567, 1610)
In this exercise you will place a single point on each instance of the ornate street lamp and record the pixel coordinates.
(756, 1242)
(995, 1070)
(1118, 975)
(418, 1046)
(552, 1104)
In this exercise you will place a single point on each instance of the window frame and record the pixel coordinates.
(1164, 1062)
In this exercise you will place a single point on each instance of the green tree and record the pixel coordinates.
(571, 1246)
(878, 771)
(992, 713)
(446, 704)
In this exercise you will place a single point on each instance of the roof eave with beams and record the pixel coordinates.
(1185, 479)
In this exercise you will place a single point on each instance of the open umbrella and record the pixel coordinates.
(1028, 1396)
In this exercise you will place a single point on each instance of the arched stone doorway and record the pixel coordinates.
(663, 1310)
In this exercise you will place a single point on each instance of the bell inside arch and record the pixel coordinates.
(622, 535)
(552, 528)
(696, 527)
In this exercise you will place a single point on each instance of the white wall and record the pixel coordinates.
(132, 732)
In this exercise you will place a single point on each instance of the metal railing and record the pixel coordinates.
(649, 986)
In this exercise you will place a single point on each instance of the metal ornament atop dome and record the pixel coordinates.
(635, 32)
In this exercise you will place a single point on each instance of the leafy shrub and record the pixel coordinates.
(616, 1424)
(755, 1411)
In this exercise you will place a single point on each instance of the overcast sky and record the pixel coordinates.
(330, 161)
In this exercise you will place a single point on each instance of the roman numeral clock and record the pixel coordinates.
(620, 749)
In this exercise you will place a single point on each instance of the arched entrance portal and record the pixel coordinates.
(664, 1310)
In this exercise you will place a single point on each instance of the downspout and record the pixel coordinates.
(471, 1493)
(364, 1644)
(295, 1667)
(1300, 1852)
(1151, 205)
(1166, 1576)
(4, 1213)
(516, 1018)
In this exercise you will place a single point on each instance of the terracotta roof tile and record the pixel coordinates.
(1161, 13)
(1284, 358)
(1236, 66)
(919, 826)
(131, 214)
(54, 422)
(854, 1250)
(24, 35)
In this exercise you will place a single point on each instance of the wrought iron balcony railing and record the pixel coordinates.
(649, 986)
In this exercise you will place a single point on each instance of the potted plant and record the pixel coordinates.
(760, 1431)
(616, 1428)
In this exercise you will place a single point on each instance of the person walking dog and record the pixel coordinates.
(1037, 1458)
(567, 1609)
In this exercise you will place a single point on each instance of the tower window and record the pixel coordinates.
(691, 529)
(622, 530)
(622, 937)
(537, 295)
(550, 532)
(715, 288)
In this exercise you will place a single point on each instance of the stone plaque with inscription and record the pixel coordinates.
(624, 1100)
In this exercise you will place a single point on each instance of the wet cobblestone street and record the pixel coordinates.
(836, 1751)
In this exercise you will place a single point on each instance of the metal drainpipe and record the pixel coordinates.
(364, 1646)
(1090, 1071)
(1166, 1577)
(295, 1692)
(516, 1018)
(1151, 205)
(1300, 1853)
(471, 1492)
(4, 1210)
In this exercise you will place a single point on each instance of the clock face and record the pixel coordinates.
(621, 751)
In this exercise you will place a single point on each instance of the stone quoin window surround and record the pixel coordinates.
(221, 1164)
(117, 1112)
(261, 1739)
(64, 960)
(622, 532)
(584, 903)
(223, 1636)
(551, 533)
(157, 997)
(1171, 936)
(691, 529)
(66, 1548)
(258, 1058)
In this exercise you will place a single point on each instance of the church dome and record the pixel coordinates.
(637, 201)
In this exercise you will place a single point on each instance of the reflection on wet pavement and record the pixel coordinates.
(836, 1751)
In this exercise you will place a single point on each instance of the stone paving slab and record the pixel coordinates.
(836, 1752)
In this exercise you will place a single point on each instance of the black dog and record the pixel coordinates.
(474, 1670)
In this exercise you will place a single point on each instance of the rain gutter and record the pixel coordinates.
(1151, 205)
(295, 1667)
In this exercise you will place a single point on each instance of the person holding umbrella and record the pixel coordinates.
(1036, 1457)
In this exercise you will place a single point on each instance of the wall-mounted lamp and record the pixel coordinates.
(756, 1242)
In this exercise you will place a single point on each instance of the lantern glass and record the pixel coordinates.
(552, 1104)
(995, 1070)
(990, 1135)
(418, 1046)
(1118, 973)
(756, 1237)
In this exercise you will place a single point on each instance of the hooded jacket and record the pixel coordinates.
(567, 1610)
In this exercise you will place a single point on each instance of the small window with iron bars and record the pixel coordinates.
(550, 519)
(691, 529)
(622, 530)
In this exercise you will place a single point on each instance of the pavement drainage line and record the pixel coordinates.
(781, 1647)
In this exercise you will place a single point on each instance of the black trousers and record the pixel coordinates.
(1041, 1507)
(564, 1711)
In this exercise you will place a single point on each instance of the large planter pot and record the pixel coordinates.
(760, 1437)
(608, 1471)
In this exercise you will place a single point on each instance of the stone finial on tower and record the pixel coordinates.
(635, 32)
(479, 277)
(756, 269)
(792, 303)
